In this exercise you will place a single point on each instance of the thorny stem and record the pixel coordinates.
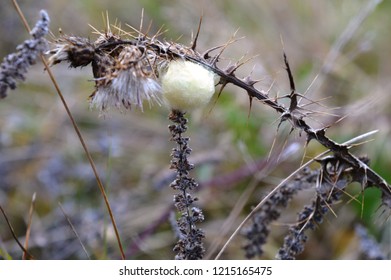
(165, 51)
(291, 114)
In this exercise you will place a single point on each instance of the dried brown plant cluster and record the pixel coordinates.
(190, 243)
(15, 65)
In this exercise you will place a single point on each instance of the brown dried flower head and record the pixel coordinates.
(132, 68)
(124, 80)
(77, 51)
(123, 74)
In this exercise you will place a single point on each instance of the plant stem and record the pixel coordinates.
(189, 245)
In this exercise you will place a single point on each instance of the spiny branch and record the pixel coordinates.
(166, 51)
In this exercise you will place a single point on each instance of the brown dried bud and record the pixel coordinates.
(77, 50)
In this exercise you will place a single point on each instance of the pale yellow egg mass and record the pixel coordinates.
(187, 85)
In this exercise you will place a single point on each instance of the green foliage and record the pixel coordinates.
(244, 126)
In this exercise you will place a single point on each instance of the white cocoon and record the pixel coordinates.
(187, 85)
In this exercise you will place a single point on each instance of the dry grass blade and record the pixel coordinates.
(26, 242)
(77, 130)
(344, 39)
(74, 230)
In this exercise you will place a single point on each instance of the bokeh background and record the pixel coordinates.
(338, 55)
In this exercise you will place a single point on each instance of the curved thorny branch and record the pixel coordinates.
(147, 57)
(368, 176)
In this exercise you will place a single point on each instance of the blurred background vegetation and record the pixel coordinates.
(40, 152)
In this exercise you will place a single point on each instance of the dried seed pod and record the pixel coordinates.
(77, 51)
(125, 80)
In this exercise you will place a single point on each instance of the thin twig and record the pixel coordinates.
(31, 257)
(81, 139)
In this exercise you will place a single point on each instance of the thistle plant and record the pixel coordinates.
(129, 72)
(132, 68)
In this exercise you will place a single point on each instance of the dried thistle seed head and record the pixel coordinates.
(77, 50)
(187, 85)
(125, 80)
